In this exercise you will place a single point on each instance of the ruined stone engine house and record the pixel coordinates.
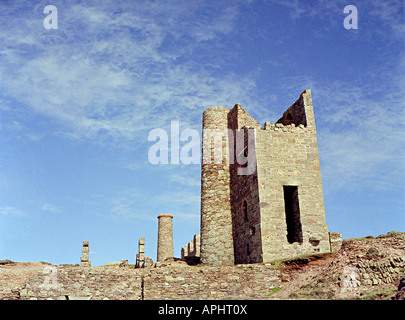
(277, 210)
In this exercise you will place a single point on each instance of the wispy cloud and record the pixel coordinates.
(182, 200)
(177, 199)
(20, 131)
(192, 219)
(361, 138)
(113, 73)
(185, 180)
(109, 71)
(50, 208)
(11, 211)
(127, 205)
(388, 14)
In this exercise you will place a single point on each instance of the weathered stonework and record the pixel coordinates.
(210, 283)
(192, 249)
(191, 252)
(77, 283)
(120, 264)
(85, 262)
(274, 211)
(335, 239)
(140, 257)
(141, 260)
(165, 237)
(362, 266)
(372, 273)
(216, 217)
(177, 281)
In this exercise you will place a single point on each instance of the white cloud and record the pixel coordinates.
(114, 72)
(111, 72)
(50, 208)
(11, 211)
(185, 180)
(126, 206)
(192, 218)
(178, 198)
(361, 140)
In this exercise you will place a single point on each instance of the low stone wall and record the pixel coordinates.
(209, 283)
(369, 273)
(78, 283)
(192, 249)
(373, 273)
(172, 282)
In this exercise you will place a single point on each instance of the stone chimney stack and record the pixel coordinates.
(85, 262)
(216, 214)
(165, 237)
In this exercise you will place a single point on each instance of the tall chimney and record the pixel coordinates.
(165, 237)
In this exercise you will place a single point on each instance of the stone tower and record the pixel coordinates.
(216, 218)
(261, 188)
(165, 237)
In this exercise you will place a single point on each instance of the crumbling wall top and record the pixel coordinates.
(300, 112)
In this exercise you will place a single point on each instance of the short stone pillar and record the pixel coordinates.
(335, 240)
(140, 257)
(165, 237)
(85, 262)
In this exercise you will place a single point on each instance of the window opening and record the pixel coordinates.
(292, 214)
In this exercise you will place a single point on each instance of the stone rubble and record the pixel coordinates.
(371, 273)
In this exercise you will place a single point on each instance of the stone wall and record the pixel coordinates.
(204, 282)
(288, 156)
(371, 273)
(193, 248)
(246, 213)
(244, 190)
(297, 113)
(78, 283)
(175, 281)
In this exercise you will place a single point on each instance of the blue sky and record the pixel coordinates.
(77, 104)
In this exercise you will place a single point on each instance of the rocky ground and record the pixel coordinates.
(13, 276)
(368, 268)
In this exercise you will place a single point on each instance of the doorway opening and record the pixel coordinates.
(292, 214)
